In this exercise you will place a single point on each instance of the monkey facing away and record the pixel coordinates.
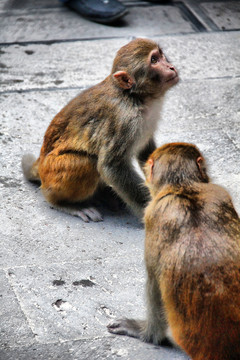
(90, 143)
(192, 256)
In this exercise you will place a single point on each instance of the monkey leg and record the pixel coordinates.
(157, 326)
(125, 181)
(68, 179)
(154, 329)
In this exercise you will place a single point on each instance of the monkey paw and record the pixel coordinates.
(129, 327)
(117, 327)
(86, 214)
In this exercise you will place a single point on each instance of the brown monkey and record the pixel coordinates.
(192, 255)
(90, 143)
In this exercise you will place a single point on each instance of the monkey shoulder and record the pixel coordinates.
(203, 212)
(200, 197)
(213, 191)
(217, 201)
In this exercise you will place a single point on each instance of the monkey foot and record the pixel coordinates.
(90, 214)
(86, 214)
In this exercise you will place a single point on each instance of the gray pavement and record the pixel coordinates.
(61, 280)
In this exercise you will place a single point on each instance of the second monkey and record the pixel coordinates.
(90, 143)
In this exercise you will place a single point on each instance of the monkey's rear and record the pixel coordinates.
(206, 324)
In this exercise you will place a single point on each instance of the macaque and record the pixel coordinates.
(192, 256)
(90, 143)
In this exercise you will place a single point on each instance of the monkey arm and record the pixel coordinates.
(145, 152)
(155, 328)
(120, 174)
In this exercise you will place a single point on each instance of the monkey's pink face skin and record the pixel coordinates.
(167, 72)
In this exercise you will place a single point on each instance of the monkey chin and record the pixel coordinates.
(174, 80)
(170, 83)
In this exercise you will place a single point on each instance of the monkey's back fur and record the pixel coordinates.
(74, 142)
(195, 255)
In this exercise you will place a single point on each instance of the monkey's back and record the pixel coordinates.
(197, 252)
(89, 122)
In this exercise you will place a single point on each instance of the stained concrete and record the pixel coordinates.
(61, 280)
(225, 16)
(58, 25)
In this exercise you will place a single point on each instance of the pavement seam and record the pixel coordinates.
(19, 301)
(127, 38)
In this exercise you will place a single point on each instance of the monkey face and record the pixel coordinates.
(161, 73)
(142, 68)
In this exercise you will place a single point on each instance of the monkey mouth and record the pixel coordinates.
(173, 78)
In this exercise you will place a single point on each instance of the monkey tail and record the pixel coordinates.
(30, 167)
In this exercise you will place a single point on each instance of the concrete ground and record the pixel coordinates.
(62, 280)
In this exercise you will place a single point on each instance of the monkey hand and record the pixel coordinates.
(140, 329)
(129, 327)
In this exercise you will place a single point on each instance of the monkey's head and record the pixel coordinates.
(175, 164)
(141, 67)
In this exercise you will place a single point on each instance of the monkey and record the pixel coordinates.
(192, 257)
(89, 145)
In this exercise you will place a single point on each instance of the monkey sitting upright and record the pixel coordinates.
(90, 143)
(192, 255)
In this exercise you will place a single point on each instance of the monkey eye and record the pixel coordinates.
(154, 59)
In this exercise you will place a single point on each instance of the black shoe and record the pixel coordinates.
(160, 1)
(102, 11)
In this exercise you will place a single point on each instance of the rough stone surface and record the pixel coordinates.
(61, 280)
(93, 349)
(32, 26)
(28, 67)
(226, 16)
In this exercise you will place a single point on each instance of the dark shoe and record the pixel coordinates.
(102, 11)
(160, 1)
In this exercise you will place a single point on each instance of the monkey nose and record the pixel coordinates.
(171, 67)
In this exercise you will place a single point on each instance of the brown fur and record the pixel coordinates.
(192, 254)
(93, 139)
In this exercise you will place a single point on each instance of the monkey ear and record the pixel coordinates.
(200, 166)
(125, 81)
(150, 164)
(199, 162)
